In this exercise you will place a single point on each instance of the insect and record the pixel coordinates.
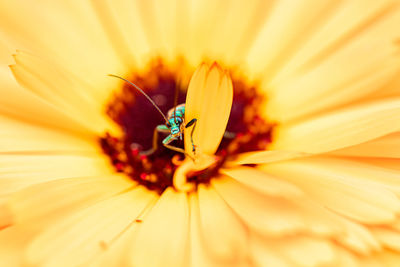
(174, 124)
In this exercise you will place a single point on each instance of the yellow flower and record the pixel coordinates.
(309, 175)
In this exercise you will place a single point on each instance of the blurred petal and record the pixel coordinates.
(163, 236)
(21, 137)
(388, 163)
(292, 251)
(13, 241)
(262, 182)
(389, 238)
(122, 23)
(20, 171)
(343, 188)
(198, 249)
(273, 45)
(267, 156)
(38, 206)
(389, 258)
(117, 252)
(24, 105)
(74, 36)
(75, 240)
(61, 89)
(224, 235)
(387, 146)
(339, 129)
(358, 238)
(6, 216)
(264, 256)
(323, 64)
(275, 216)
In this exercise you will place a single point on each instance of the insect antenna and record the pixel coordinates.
(176, 100)
(143, 93)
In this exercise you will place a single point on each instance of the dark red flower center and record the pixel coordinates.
(246, 130)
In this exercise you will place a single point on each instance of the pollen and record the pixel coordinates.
(246, 130)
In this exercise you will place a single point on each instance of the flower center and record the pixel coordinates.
(132, 153)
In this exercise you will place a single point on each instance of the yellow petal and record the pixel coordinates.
(349, 30)
(17, 136)
(6, 51)
(201, 162)
(357, 237)
(55, 85)
(303, 97)
(23, 105)
(328, 60)
(117, 252)
(361, 171)
(263, 257)
(6, 216)
(209, 100)
(268, 156)
(13, 241)
(387, 146)
(163, 236)
(273, 45)
(75, 240)
(341, 187)
(224, 235)
(389, 90)
(206, 32)
(263, 214)
(262, 182)
(20, 171)
(339, 129)
(308, 251)
(273, 216)
(392, 164)
(160, 23)
(198, 249)
(389, 238)
(38, 206)
(72, 29)
(120, 20)
(301, 250)
(388, 258)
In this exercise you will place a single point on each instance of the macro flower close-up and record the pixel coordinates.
(200, 133)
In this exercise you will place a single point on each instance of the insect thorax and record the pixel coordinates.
(179, 111)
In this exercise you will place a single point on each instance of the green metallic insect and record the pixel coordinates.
(174, 124)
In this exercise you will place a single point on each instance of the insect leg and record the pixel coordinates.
(168, 140)
(160, 128)
(190, 123)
